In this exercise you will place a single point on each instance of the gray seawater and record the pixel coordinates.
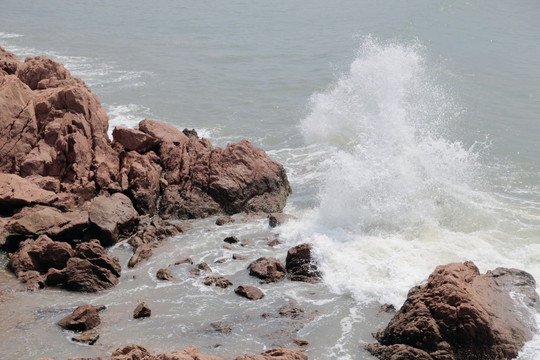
(409, 130)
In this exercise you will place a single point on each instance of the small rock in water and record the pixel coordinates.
(88, 337)
(219, 281)
(184, 261)
(277, 219)
(85, 317)
(274, 242)
(224, 220)
(291, 310)
(386, 308)
(222, 327)
(239, 257)
(165, 274)
(250, 292)
(141, 311)
(267, 269)
(231, 240)
(301, 342)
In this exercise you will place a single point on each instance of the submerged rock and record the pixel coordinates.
(301, 265)
(165, 274)
(461, 314)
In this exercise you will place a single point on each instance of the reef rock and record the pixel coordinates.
(461, 314)
(301, 265)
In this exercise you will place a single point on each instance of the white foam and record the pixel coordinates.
(4, 35)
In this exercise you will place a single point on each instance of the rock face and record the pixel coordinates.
(43, 261)
(301, 265)
(267, 269)
(461, 314)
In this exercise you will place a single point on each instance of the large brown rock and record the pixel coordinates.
(461, 314)
(84, 317)
(205, 181)
(301, 265)
(133, 139)
(163, 132)
(16, 192)
(267, 269)
(112, 217)
(9, 62)
(45, 220)
(83, 275)
(52, 125)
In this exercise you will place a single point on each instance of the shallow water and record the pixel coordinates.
(409, 131)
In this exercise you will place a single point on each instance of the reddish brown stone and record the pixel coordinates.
(267, 269)
(301, 265)
(141, 311)
(250, 292)
(135, 140)
(165, 274)
(85, 317)
(163, 132)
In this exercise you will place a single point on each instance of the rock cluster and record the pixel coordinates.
(61, 176)
(461, 314)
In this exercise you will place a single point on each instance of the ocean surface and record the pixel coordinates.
(410, 132)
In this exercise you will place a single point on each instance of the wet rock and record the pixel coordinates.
(277, 219)
(112, 217)
(218, 281)
(190, 133)
(239, 257)
(276, 354)
(386, 308)
(461, 314)
(267, 269)
(301, 342)
(291, 310)
(249, 292)
(133, 139)
(300, 264)
(231, 240)
(88, 337)
(84, 317)
(184, 261)
(141, 311)
(165, 274)
(204, 266)
(143, 252)
(96, 254)
(221, 261)
(274, 242)
(221, 327)
(224, 220)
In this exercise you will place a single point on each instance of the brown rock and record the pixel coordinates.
(111, 217)
(301, 342)
(274, 242)
(96, 254)
(85, 317)
(9, 62)
(16, 192)
(224, 220)
(142, 310)
(204, 266)
(291, 310)
(190, 133)
(29, 255)
(83, 275)
(88, 337)
(184, 261)
(165, 274)
(277, 219)
(142, 174)
(134, 140)
(219, 281)
(41, 72)
(143, 252)
(276, 354)
(249, 292)
(460, 314)
(44, 220)
(300, 264)
(221, 327)
(239, 257)
(163, 132)
(267, 269)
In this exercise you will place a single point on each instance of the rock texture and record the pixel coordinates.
(85, 317)
(300, 264)
(462, 315)
(141, 311)
(87, 267)
(249, 292)
(137, 352)
(267, 269)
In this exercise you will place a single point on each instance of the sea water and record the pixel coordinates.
(409, 131)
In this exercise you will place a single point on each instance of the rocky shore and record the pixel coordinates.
(67, 193)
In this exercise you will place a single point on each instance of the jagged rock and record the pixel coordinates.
(141, 176)
(84, 317)
(165, 274)
(461, 314)
(142, 310)
(300, 264)
(96, 254)
(9, 62)
(217, 280)
(250, 292)
(111, 217)
(267, 269)
(133, 139)
(190, 133)
(83, 275)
